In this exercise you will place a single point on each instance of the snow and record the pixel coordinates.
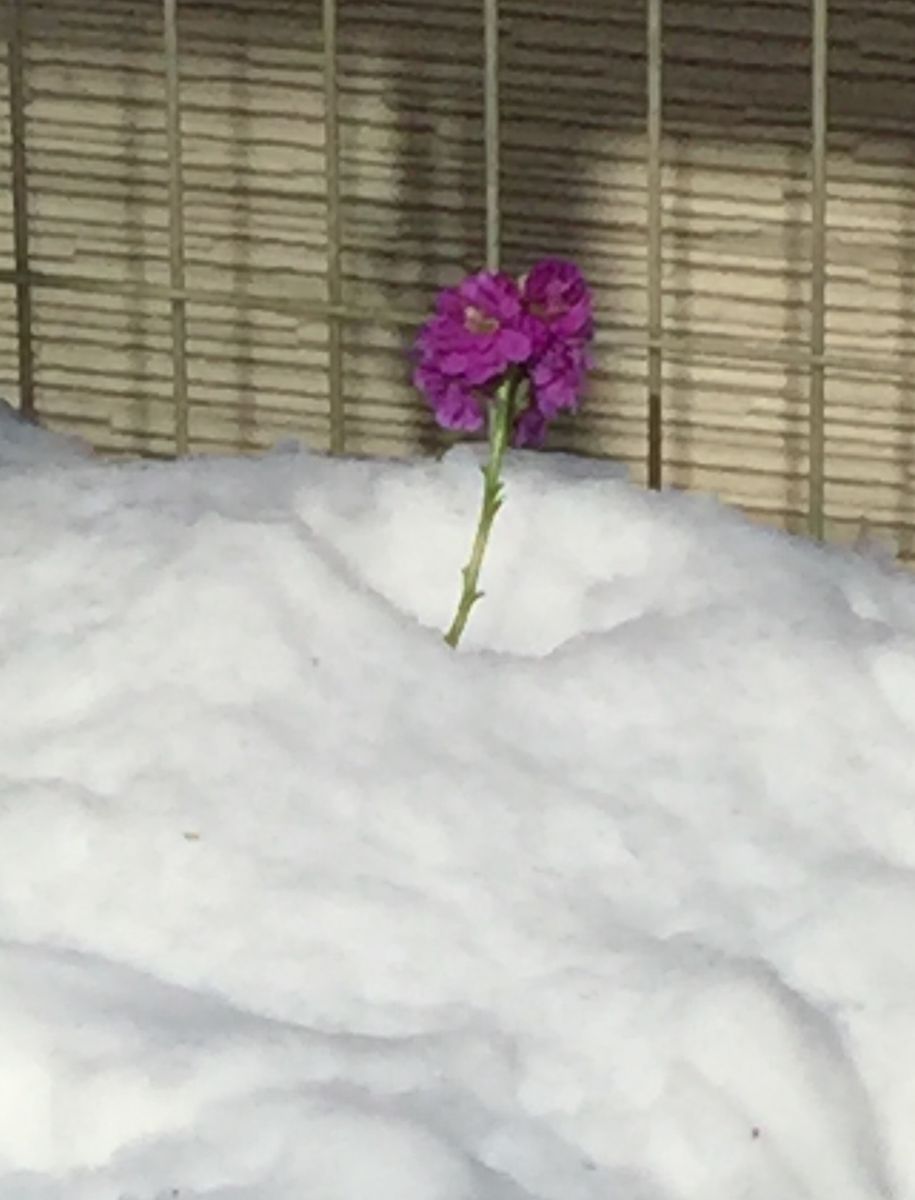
(613, 904)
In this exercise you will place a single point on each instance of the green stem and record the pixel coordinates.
(501, 414)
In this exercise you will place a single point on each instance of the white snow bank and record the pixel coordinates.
(296, 902)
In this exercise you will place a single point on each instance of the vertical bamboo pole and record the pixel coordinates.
(176, 224)
(491, 134)
(655, 318)
(334, 230)
(818, 183)
(20, 186)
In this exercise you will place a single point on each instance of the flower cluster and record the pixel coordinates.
(511, 355)
(491, 327)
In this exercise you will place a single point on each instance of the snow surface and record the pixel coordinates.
(616, 903)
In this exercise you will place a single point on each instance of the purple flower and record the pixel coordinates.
(558, 376)
(530, 428)
(489, 324)
(476, 333)
(453, 403)
(558, 303)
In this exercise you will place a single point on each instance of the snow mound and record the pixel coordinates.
(295, 901)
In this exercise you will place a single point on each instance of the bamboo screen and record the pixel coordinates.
(225, 218)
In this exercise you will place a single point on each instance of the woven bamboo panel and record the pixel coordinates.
(736, 216)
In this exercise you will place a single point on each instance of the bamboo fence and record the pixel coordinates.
(226, 217)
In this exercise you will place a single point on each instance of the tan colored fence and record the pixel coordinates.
(226, 217)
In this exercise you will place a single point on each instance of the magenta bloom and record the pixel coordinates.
(557, 300)
(489, 325)
(452, 401)
(476, 333)
(530, 428)
(507, 355)
(558, 376)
